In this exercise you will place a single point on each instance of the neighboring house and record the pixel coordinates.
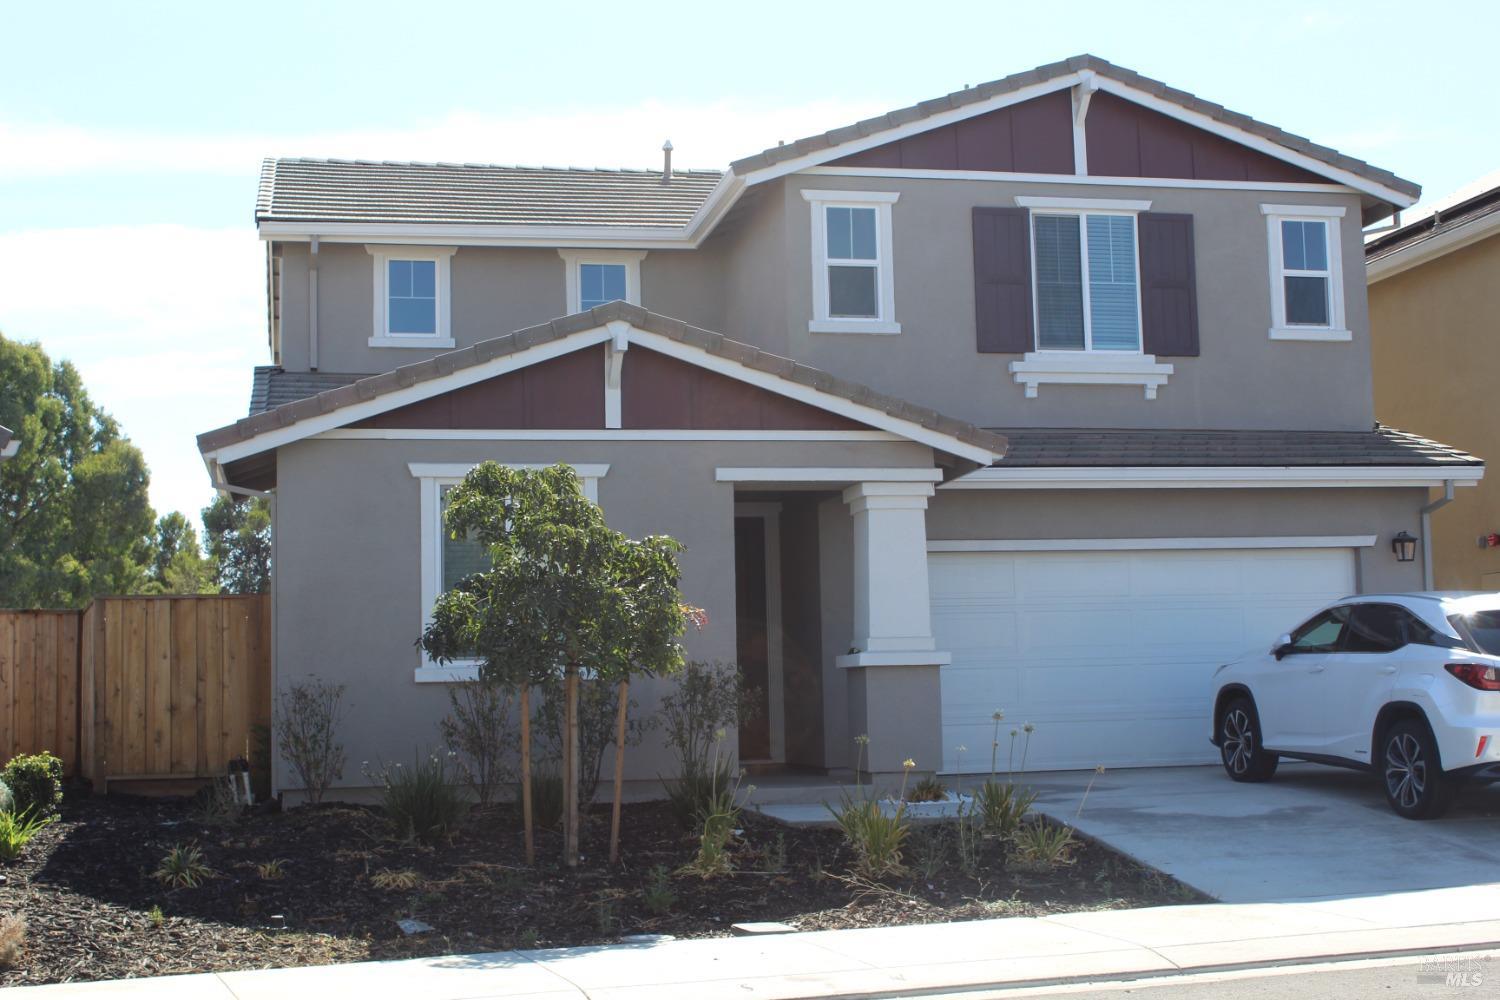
(9, 444)
(1434, 298)
(1055, 439)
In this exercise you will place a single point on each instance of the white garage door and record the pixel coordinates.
(1109, 654)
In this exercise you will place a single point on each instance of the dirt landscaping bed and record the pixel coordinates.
(328, 884)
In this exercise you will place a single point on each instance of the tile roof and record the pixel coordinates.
(275, 386)
(1470, 204)
(1016, 81)
(1382, 446)
(372, 386)
(299, 190)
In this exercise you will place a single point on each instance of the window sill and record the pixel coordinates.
(1090, 368)
(450, 673)
(852, 326)
(1313, 333)
(420, 343)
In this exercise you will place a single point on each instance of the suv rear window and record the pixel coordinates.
(1481, 629)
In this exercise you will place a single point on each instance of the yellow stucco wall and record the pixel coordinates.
(1435, 338)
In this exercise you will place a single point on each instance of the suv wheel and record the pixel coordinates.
(1239, 743)
(1415, 784)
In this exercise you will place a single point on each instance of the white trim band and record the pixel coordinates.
(1215, 477)
(826, 475)
(1148, 544)
(1084, 204)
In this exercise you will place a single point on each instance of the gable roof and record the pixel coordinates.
(365, 191)
(338, 406)
(1466, 216)
(1059, 72)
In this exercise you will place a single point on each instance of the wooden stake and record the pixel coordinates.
(526, 772)
(614, 820)
(570, 764)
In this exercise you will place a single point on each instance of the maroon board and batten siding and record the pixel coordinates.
(567, 393)
(1124, 140)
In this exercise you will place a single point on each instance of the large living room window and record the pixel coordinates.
(1307, 292)
(447, 560)
(411, 303)
(852, 283)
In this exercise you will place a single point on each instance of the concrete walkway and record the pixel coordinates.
(881, 961)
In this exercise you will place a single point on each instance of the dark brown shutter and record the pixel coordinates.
(1002, 280)
(1169, 285)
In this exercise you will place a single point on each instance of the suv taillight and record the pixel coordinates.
(1476, 675)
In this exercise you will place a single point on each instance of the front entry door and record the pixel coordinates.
(751, 647)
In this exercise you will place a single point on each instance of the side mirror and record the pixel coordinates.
(1283, 646)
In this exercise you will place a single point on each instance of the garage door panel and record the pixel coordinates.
(1110, 655)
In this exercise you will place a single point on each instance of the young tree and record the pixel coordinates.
(564, 593)
(75, 520)
(237, 535)
(177, 563)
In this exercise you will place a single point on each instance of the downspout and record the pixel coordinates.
(1427, 512)
(312, 304)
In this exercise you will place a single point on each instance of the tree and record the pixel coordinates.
(564, 592)
(177, 563)
(75, 520)
(237, 534)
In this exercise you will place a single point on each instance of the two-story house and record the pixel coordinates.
(1046, 396)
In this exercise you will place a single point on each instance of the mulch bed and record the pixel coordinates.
(86, 890)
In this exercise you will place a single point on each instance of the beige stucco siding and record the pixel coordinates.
(1436, 356)
(348, 543)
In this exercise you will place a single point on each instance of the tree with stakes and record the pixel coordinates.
(564, 593)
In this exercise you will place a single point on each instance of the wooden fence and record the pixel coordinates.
(133, 688)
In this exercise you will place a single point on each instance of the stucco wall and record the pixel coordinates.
(1196, 513)
(348, 582)
(1436, 357)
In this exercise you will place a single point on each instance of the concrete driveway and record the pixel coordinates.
(1311, 832)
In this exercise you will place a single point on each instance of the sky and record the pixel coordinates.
(131, 135)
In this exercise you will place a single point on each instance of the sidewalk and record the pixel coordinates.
(881, 961)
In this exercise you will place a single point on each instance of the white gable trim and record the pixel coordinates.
(615, 332)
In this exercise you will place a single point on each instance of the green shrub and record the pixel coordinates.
(183, 868)
(718, 821)
(17, 829)
(35, 782)
(695, 716)
(1002, 807)
(691, 796)
(478, 729)
(658, 895)
(1041, 846)
(928, 790)
(877, 839)
(419, 801)
(546, 796)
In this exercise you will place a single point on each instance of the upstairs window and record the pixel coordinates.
(411, 307)
(1307, 294)
(852, 273)
(594, 277)
(1087, 281)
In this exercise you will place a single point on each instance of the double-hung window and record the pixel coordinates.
(594, 277)
(1307, 294)
(853, 287)
(1087, 281)
(447, 560)
(411, 305)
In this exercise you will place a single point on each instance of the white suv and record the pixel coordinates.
(1404, 685)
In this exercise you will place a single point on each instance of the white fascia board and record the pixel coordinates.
(1148, 544)
(821, 156)
(1213, 477)
(406, 234)
(458, 470)
(1432, 247)
(813, 397)
(522, 434)
(1092, 180)
(1256, 142)
(819, 474)
(415, 393)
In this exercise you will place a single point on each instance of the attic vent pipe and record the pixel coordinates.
(666, 167)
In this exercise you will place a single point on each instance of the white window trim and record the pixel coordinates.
(432, 477)
(1336, 330)
(881, 201)
(572, 259)
(1087, 366)
(441, 256)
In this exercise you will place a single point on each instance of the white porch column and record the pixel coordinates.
(892, 612)
(895, 693)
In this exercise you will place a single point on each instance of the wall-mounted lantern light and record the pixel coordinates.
(1405, 547)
